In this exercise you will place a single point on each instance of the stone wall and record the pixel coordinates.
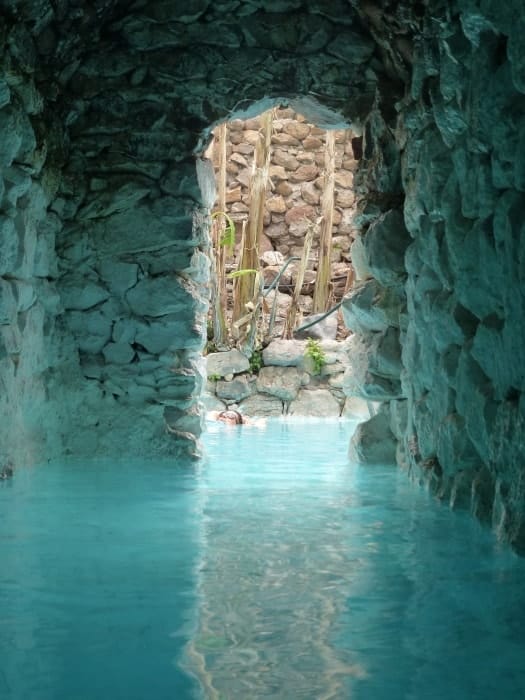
(297, 166)
(288, 383)
(439, 306)
(105, 107)
(31, 351)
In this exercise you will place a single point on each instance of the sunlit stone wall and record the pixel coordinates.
(103, 271)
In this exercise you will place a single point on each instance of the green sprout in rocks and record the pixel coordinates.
(256, 361)
(315, 352)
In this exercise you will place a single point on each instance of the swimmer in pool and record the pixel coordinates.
(232, 417)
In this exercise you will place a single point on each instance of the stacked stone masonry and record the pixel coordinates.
(296, 184)
(104, 110)
(287, 384)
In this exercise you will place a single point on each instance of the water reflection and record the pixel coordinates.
(277, 570)
(323, 580)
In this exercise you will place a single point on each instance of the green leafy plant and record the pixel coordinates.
(214, 377)
(315, 353)
(256, 361)
(240, 273)
(227, 237)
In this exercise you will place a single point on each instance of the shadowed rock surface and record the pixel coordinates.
(104, 219)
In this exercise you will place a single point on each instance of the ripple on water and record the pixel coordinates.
(276, 569)
(323, 579)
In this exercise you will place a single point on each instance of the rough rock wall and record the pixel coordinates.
(29, 302)
(452, 360)
(130, 95)
(122, 97)
(462, 129)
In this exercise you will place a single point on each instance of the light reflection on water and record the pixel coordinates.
(276, 569)
(321, 579)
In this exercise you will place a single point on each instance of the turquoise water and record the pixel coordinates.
(277, 569)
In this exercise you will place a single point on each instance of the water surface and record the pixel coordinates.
(275, 569)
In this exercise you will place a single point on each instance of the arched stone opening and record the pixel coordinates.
(101, 112)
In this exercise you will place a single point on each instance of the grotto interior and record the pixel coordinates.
(105, 107)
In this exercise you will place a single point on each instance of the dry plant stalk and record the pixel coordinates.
(322, 282)
(292, 311)
(244, 290)
(220, 301)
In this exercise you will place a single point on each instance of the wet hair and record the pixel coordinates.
(231, 414)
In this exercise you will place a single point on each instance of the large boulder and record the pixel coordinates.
(262, 405)
(325, 329)
(237, 389)
(221, 364)
(385, 243)
(373, 441)
(371, 307)
(320, 403)
(282, 382)
(374, 368)
(285, 353)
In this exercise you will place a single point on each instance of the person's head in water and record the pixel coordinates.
(231, 417)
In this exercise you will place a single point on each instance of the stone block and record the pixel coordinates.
(359, 257)
(344, 198)
(276, 230)
(325, 329)
(8, 303)
(454, 448)
(300, 213)
(224, 363)
(118, 276)
(5, 94)
(344, 179)
(262, 405)
(277, 172)
(125, 330)
(160, 296)
(81, 293)
(279, 381)
(474, 401)
(273, 258)
(284, 353)
(297, 129)
(304, 173)
(310, 193)
(399, 418)
(355, 407)
(276, 204)
(91, 329)
(366, 360)
(385, 243)
(370, 307)
(385, 354)
(284, 159)
(12, 137)
(9, 245)
(118, 353)
(237, 389)
(319, 403)
(373, 442)
(24, 294)
(17, 183)
(284, 139)
(312, 143)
